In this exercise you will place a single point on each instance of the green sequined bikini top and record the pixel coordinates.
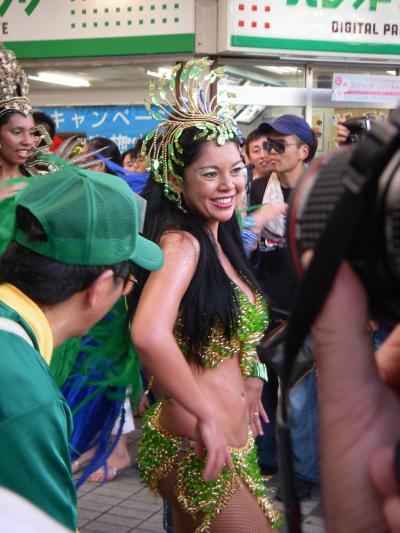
(253, 319)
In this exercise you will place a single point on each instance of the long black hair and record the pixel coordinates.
(210, 299)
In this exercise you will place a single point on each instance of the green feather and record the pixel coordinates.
(183, 75)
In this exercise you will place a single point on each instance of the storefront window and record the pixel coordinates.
(262, 89)
(325, 117)
(265, 74)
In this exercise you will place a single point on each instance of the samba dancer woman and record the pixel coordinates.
(199, 319)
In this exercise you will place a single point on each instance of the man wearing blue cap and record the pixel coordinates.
(291, 144)
(75, 245)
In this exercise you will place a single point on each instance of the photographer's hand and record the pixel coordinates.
(382, 464)
(382, 473)
(341, 132)
(388, 360)
(358, 412)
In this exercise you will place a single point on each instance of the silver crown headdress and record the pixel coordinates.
(14, 85)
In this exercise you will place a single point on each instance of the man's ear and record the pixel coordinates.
(102, 166)
(304, 151)
(100, 286)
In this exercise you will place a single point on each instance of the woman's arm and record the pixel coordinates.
(152, 335)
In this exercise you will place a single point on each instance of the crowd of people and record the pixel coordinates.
(104, 293)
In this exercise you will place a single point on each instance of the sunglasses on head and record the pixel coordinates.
(278, 146)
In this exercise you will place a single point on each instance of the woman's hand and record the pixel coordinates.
(11, 190)
(210, 438)
(388, 360)
(253, 389)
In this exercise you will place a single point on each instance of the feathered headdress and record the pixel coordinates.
(189, 109)
(14, 85)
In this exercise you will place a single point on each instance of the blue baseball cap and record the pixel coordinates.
(289, 125)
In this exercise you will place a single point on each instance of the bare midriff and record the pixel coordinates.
(223, 387)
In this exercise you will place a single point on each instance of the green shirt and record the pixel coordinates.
(8, 208)
(35, 425)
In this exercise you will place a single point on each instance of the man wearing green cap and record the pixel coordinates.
(76, 240)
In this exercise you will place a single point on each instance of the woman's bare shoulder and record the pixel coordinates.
(180, 242)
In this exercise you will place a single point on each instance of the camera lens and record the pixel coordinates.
(312, 202)
(375, 250)
(358, 127)
(353, 138)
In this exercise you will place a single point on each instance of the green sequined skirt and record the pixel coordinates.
(157, 455)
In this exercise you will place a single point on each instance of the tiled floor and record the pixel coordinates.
(124, 505)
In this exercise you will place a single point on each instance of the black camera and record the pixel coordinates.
(358, 127)
(347, 206)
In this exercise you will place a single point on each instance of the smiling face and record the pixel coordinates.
(16, 139)
(213, 182)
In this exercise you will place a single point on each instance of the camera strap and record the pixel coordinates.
(360, 178)
(329, 253)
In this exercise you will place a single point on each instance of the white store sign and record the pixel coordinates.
(312, 27)
(358, 88)
(57, 28)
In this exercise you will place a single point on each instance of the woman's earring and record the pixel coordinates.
(179, 202)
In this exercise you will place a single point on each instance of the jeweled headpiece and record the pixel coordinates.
(190, 109)
(14, 85)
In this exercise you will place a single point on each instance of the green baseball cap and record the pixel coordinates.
(90, 218)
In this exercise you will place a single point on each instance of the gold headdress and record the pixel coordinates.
(190, 109)
(13, 85)
(70, 152)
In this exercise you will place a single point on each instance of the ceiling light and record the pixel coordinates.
(59, 79)
(391, 72)
(280, 70)
(166, 72)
